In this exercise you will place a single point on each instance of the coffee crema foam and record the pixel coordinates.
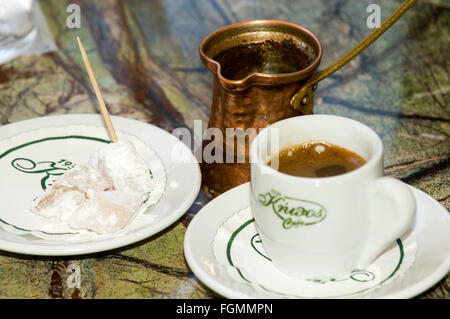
(317, 159)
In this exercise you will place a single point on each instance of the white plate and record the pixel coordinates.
(220, 251)
(33, 153)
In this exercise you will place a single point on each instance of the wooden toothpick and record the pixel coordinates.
(103, 109)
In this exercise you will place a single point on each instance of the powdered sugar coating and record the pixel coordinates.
(102, 195)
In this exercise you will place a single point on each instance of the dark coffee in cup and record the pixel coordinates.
(317, 159)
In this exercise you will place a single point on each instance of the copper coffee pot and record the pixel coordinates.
(263, 73)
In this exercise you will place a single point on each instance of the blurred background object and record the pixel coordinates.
(23, 30)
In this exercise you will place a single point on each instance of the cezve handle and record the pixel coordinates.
(303, 100)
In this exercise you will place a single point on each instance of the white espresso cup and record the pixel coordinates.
(319, 228)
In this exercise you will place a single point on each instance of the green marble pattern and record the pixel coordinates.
(145, 57)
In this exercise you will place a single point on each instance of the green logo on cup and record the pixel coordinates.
(293, 212)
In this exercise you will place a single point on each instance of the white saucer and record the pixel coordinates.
(33, 153)
(222, 249)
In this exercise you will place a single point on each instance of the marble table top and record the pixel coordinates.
(145, 57)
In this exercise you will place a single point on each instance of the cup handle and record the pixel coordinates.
(392, 212)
